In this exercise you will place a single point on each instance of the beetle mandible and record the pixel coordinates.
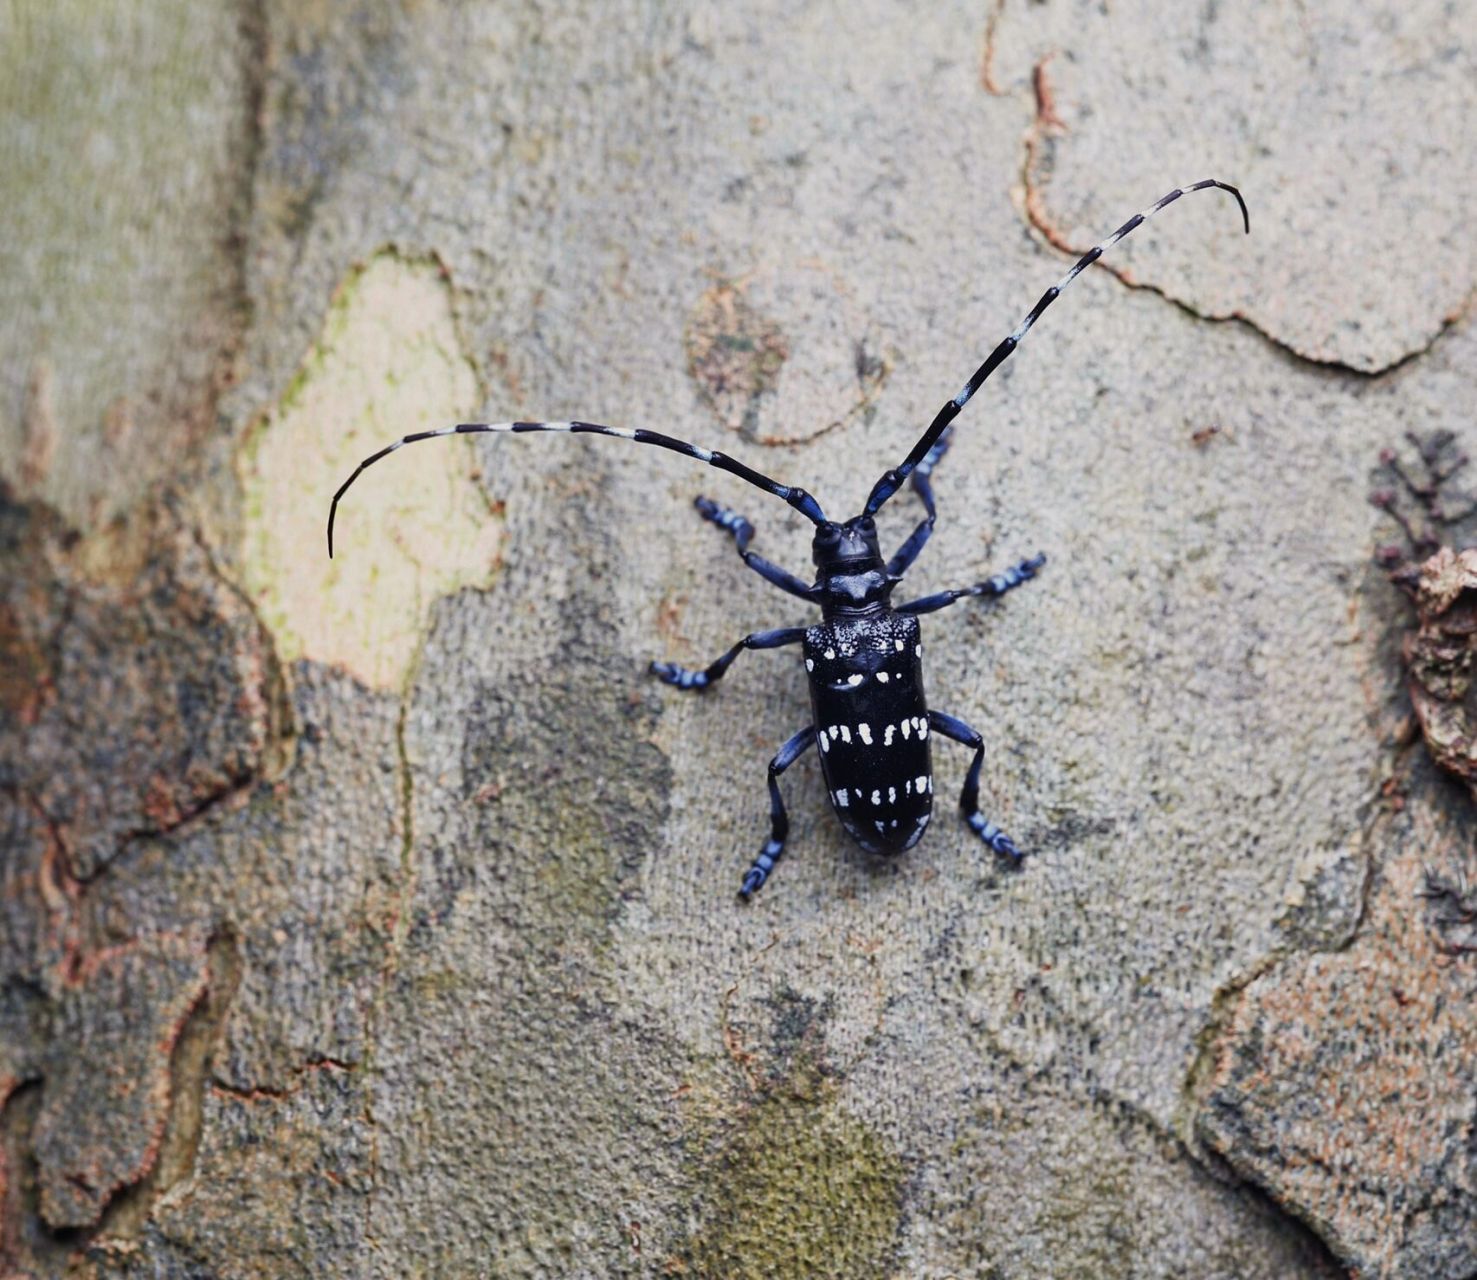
(864, 658)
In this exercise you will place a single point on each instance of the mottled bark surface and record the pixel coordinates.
(376, 916)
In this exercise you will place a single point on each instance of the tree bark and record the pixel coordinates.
(377, 916)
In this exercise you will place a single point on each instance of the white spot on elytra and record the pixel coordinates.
(876, 797)
(845, 734)
(923, 726)
(906, 726)
(854, 679)
(865, 732)
(891, 795)
(921, 782)
(898, 645)
(824, 746)
(841, 799)
(918, 649)
(830, 655)
(882, 677)
(810, 664)
(887, 737)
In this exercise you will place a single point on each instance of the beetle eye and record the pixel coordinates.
(868, 524)
(828, 533)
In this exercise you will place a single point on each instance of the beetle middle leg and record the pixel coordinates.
(969, 798)
(996, 586)
(690, 678)
(779, 822)
(743, 531)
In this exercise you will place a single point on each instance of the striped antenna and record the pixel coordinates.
(892, 480)
(797, 498)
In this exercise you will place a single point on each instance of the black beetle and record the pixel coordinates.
(864, 658)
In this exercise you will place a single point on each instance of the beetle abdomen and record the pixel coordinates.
(871, 722)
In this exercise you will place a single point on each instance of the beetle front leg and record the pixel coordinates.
(996, 586)
(779, 822)
(742, 532)
(969, 798)
(690, 678)
(908, 552)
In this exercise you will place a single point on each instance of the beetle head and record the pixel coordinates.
(850, 547)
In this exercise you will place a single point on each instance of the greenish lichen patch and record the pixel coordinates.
(801, 1189)
(793, 1183)
(590, 818)
(389, 362)
(126, 154)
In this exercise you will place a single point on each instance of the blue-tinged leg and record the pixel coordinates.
(996, 586)
(779, 822)
(742, 531)
(908, 552)
(688, 678)
(969, 798)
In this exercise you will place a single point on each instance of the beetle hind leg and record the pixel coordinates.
(779, 822)
(992, 835)
(969, 797)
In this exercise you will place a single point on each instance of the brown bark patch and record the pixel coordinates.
(107, 1089)
(1439, 659)
(1342, 1081)
(142, 687)
(782, 381)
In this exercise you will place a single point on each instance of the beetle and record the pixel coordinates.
(864, 658)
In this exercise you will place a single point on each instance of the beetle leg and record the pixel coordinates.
(996, 586)
(779, 822)
(688, 678)
(742, 531)
(969, 798)
(908, 552)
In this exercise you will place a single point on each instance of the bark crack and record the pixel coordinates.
(179, 1144)
(399, 930)
(987, 52)
(276, 1093)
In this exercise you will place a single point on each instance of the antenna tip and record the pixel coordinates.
(1245, 216)
(1226, 186)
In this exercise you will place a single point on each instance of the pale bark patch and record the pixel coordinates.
(414, 527)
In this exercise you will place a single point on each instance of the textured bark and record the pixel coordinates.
(377, 917)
